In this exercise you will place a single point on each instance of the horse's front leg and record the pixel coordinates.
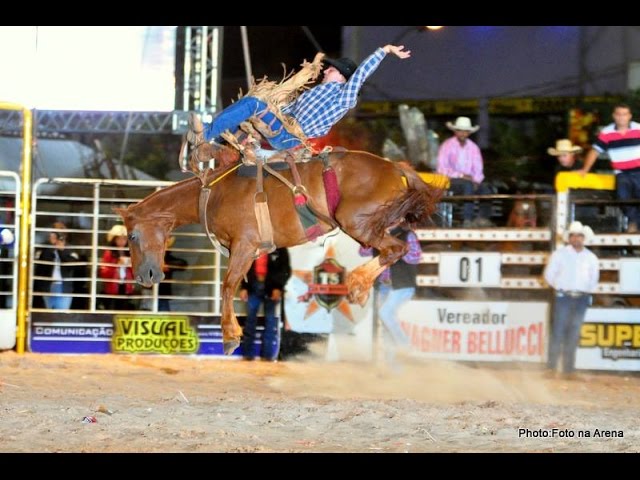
(239, 263)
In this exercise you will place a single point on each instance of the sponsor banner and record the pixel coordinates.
(504, 106)
(154, 334)
(53, 332)
(610, 340)
(316, 299)
(316, 296)
(484, 331)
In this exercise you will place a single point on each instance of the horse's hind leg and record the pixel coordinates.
(239, 263)
(360, 280)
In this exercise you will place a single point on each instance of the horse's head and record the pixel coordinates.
(147, 243)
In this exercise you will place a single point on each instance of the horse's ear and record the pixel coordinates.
(120, 211)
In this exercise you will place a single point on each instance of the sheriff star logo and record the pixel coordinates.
(327, 286)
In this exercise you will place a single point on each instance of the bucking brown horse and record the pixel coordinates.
(375, 194)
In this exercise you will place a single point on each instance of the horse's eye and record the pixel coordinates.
(132, 237)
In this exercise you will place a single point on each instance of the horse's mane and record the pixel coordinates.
(137, 208)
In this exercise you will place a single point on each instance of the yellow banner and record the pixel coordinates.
(504, 106)
(596, 181)
(154, 334)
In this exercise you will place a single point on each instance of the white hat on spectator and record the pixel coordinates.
(577, 228)
(464, 124)
(116, 231)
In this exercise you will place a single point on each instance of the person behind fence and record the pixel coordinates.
(460, 159)
(115, 266)
(264, 285)
(566, 154)
(6, 267)
(171, 264)
(309, 115)
(396, 286)
(568, 161)
(621, 141)
(55, 272)
(573, 273)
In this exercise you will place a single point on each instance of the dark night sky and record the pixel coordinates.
(270, 47)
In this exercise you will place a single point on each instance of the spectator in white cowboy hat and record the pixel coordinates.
(566, 153)
(460, 159)
(573, 272)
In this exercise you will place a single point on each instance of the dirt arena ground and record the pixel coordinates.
(173, 404)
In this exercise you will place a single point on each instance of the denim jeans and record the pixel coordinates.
(390, 303)
(236, 113)
(58, 302)
(628, 188)
(461, 186)
(568, 315)
(271, 332)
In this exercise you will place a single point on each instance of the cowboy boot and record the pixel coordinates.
(195, 133)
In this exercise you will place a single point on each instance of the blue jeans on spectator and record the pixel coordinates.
(394, 337)
(58, 302)
(461, 186)
(236, 113)
(271, 332)
(568, 315)
(628, 188)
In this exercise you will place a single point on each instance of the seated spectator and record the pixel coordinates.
(566, 153)
(460, 159)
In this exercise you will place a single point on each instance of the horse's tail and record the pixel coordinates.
(415, 205)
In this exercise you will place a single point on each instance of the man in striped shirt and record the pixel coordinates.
(315, 110)
(621, 140)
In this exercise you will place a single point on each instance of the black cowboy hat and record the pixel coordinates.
(344, 65)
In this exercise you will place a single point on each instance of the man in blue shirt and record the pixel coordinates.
(315, 110)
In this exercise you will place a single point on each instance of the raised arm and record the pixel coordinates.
(349, 95)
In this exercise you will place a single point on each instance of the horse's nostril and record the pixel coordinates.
(151, 275)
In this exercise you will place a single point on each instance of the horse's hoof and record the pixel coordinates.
(230, 346)
(358, 297)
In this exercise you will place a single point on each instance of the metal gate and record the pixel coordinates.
(81, 210)
(9, 225)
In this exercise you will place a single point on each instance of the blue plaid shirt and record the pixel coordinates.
(319, 108)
